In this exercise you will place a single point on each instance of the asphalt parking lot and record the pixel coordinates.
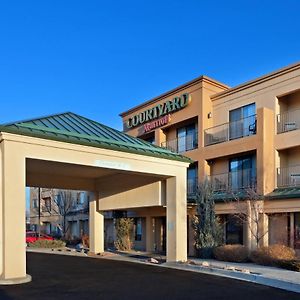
(67, 277)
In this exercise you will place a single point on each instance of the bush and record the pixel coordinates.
(233, 253)
(124, 228)
(292, 265)
(271, 255)
(85, 241)
(47, 244)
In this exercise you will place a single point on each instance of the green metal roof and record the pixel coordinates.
(284, 193)
(71, 128)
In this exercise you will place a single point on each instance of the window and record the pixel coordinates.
(80, 198)
(234, 230)
(58, 199)
(192, 179)
(150, 139)
(138, 229)
(35, 203)
(242, 172)
(242, 121)
(186, 138)
(47, 205)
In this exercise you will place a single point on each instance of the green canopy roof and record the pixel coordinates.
(285, 193)
(72, 128)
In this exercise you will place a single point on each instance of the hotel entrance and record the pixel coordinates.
(160, 235)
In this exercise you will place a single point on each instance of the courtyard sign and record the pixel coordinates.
(158, 111)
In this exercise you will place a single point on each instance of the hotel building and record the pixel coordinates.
(242, 138)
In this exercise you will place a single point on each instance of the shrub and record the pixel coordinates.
(47, 244)
(271, 255)
(208, 232)
(292, 265)
(85, 241)
(124, 228)
(233, 253)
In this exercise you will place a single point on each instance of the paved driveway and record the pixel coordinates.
(67, 277)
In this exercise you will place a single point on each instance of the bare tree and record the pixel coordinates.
(60, 204)
(250, 211)
(63, 205)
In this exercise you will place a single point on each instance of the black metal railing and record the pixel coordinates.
(230, 131)
(182, 144)
(288, 176)
(234, 181)
(192, 185)
(288, 121)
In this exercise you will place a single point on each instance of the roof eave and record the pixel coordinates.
(91, 144)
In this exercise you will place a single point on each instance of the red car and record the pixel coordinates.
(32, 236)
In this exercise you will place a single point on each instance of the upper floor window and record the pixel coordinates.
(47, 205)
(80, 198)
(242, 121)
(187, 138)
(35, 203)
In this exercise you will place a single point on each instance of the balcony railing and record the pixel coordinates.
(288, 121)
(234, 181)
(288, 176)
(230, 131)
(182, 144)
(192, 184)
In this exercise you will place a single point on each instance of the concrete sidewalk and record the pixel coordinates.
(269, 276)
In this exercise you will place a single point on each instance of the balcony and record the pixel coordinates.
(288, 176)
(230, 131)
(288, 121)
(182, 144)
(234, 181)
(192, 184)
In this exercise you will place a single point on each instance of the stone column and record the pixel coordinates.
(12, 216)
(96, 226)
(264, 228)
(176, 218)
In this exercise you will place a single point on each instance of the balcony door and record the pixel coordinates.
(192, 179)
(186, 138)
(242, 172)
(242, 121)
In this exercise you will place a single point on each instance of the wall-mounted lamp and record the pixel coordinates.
(210, 162)
(209, 115)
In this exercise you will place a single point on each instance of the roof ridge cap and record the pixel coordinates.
(34, 119)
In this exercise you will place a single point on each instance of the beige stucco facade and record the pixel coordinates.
(268, 137)
(30, 161)
(49, 215)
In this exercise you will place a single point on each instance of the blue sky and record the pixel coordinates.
(99, 58)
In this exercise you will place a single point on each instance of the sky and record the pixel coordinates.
(100, 58)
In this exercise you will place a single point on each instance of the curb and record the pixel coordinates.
(14, 281)
(254, 278)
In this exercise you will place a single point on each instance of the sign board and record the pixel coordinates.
(157, 112)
